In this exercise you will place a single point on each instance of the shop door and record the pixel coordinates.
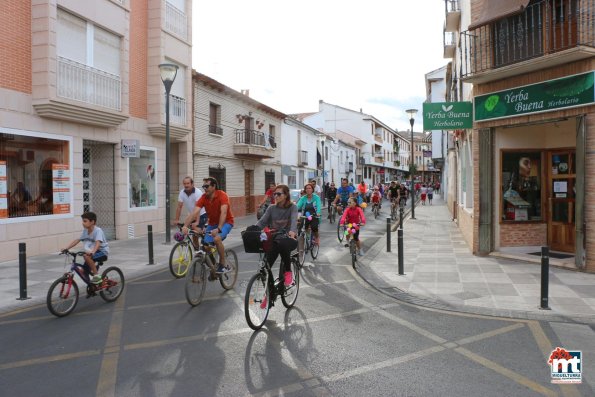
(561, 198)
(248, 183)
(99, 185)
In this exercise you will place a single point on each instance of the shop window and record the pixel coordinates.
(521, 186)
(142, 179)
(35, 177)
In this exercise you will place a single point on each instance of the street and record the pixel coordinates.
(342, 338)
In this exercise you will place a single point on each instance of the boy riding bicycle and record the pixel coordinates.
(94, 243)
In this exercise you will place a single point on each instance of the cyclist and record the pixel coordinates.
(353, 214)
(376, 198)
(403, 194)
(343, 194)
(310, 204)
(393, 194)
(188, 197)
(362, 188)
(281, 217)
(94, 243)
(220, 223)
(331, 193)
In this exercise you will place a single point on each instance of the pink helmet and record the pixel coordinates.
(179, 237)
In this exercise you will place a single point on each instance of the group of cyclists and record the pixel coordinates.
(210, 212)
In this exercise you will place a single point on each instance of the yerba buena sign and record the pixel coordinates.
(551, 95)
(448, 115)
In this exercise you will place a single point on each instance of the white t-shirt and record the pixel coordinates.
(190, 200)
(89, 240)
(317, 189)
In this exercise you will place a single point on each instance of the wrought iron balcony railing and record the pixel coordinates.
(177, 110)
(255, 138)
(86, 84)
(176, 21)
(543, 28)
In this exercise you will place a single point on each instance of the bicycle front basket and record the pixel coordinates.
(251, 240)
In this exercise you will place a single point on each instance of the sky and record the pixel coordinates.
(370, 55)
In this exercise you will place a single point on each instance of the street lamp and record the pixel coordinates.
(322, 138)
(168, 73)
(411, 113)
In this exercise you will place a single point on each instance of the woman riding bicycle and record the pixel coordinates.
(281, 217)
(310, 204)
(355, 216)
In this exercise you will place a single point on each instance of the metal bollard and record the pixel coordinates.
(545, 277)
(401, 252)
(388, 226)
(150, 237)
(401, 218)
(23, 272)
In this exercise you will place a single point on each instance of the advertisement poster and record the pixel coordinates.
(3, 191)
(61, 188)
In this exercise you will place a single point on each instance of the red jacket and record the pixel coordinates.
(353, 215)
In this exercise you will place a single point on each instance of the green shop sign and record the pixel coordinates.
(551, 95)
(448, 115)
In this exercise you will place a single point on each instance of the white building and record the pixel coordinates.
(298, 153)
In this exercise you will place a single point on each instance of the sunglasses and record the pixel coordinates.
(206, 186)
(278, 193)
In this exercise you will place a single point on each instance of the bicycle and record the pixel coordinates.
(63, 294)
(332, 214)
(306, 243)
(204, 268)
(340, 235)
(352, 243)
(182, 252)
(263, 290)
(393, 209)
(376, 210)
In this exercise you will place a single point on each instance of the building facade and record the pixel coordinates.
(83, 120)
(299, 152)
(237, 140)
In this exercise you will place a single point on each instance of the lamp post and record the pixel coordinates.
(168, 73)
(322, 138)
(411, 113)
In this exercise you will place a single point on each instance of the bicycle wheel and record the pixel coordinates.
(376, 212)
(340, 234)
(228, 280)
(112, 284)
(290, 293)
(314, 248)
(256, 301)
(62, 298)
(180, 258)
(196, 281)
(332, 214)
(353, 252)
(301, 248)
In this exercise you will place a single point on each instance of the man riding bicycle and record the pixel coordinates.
(393, 194)
(403, 193)
(343, 194)
(331, 194)
(220, 223)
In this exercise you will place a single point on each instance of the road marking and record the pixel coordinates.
(108, 373)
(506, 372)
(50, 359)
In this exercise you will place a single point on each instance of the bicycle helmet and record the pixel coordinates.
(179, 237)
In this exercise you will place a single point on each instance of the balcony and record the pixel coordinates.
(545, 34)
(303, 155)
(177, 110)
(215, 130)
(254, 144)
(176, 21)
(453, 15)
(449, 44)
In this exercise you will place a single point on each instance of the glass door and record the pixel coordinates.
(561, 198)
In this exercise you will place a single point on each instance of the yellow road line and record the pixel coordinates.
(50, 359)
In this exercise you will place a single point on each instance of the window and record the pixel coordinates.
(215, 119)
(142, 185)
(219, 174)
(88, 62)
(35, 176)
(521, 186)
(272, 140)
(291, 182)
(269, 177)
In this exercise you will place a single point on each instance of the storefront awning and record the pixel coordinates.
(494, 10)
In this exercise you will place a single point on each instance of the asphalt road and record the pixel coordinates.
(343, 338)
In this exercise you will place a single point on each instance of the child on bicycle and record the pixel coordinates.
(94, 244)
(376, 198)
(353, 215)
(311, 204)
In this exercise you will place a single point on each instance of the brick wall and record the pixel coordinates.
(590, 192)
(523, 234)
(15, 47)
(138, 58)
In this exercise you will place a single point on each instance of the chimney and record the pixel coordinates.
(245, 92)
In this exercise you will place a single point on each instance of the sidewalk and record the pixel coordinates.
(441, 272)
(132, 256)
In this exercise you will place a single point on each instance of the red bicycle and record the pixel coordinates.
(63, 295)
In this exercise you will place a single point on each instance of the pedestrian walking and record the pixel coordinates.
(424, 192)
(430, 194)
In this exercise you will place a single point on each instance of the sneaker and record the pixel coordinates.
(361, 252)
(346, 245)
(288, 279)
(96, 279)
(263, 304)
(221, 269)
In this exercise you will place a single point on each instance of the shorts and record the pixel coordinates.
(99, 257)
(224, 232)
(423, 197)
(430, 196)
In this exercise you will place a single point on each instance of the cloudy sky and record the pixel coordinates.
(357, 54)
